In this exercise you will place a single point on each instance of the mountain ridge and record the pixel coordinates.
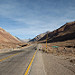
(7, 37)
(38, 37)
(7, 40)
(65, 32)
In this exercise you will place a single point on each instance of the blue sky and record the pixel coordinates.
(28, 18)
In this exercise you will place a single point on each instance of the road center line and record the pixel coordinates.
(8, 57)
(30, 63)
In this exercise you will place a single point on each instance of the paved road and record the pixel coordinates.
(16, 62)
(49, 64)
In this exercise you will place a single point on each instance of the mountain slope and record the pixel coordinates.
(66, 32)
(38, 37)
(6, 37)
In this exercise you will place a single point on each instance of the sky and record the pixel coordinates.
(28, 18)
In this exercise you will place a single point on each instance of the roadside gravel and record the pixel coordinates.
(58, 65)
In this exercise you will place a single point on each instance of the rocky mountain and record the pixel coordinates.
(38, 37)
(7, 37)
(25, 40)
(7, 40)
(65, 32)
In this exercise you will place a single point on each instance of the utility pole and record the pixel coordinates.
(46, 42)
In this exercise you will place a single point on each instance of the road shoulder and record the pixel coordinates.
(38, 65)
(57, 65)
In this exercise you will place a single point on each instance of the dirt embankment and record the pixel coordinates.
(13, 47)
(63, 48)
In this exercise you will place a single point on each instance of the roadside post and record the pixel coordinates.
(46, 42)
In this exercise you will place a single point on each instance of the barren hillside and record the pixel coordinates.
(6, 37)
(39, 37)
(66, 32)
(7, 40)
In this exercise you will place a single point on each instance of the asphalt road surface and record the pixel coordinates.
(16, 62)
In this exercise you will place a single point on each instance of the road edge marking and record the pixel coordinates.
(27, 70)
(8, 57)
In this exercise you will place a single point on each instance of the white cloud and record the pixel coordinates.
(36, 19)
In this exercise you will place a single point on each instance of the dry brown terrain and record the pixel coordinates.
(6, 37)
(64, 48)
(64, 33)
(39, 37)
(7, 40)
(63, 37)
